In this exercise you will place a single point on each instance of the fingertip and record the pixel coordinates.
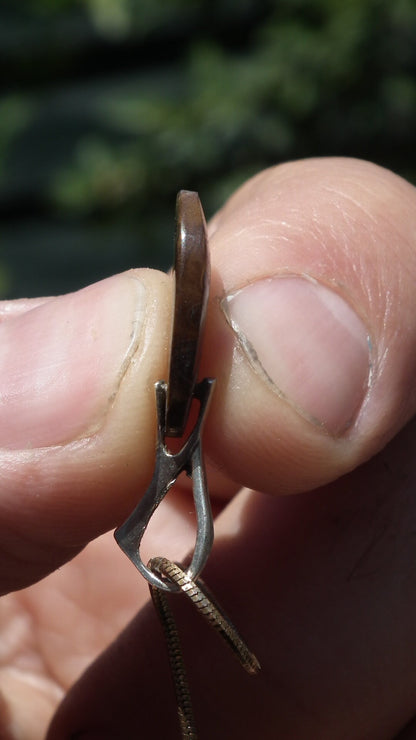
(315, 350)
(79, 426)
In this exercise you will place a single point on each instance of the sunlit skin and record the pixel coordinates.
(321, 583)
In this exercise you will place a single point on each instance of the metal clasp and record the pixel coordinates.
(173, 400)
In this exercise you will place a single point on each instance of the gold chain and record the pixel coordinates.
(208, 607)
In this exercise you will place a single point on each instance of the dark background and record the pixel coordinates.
(108, 107)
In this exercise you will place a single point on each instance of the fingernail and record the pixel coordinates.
(307, 343)
(61, 364)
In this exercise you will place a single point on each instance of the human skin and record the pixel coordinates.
(311, 334)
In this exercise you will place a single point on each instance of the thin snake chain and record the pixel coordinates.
(208, 607)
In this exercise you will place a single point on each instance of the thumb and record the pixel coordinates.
(314, 347)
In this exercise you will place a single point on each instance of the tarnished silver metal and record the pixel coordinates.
(167, 468)
(173, 400)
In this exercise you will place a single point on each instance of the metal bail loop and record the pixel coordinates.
(173, 400)
(167, 468)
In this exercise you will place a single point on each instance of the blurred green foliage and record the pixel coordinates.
(108, 107)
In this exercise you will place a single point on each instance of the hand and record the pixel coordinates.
(311, 334)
